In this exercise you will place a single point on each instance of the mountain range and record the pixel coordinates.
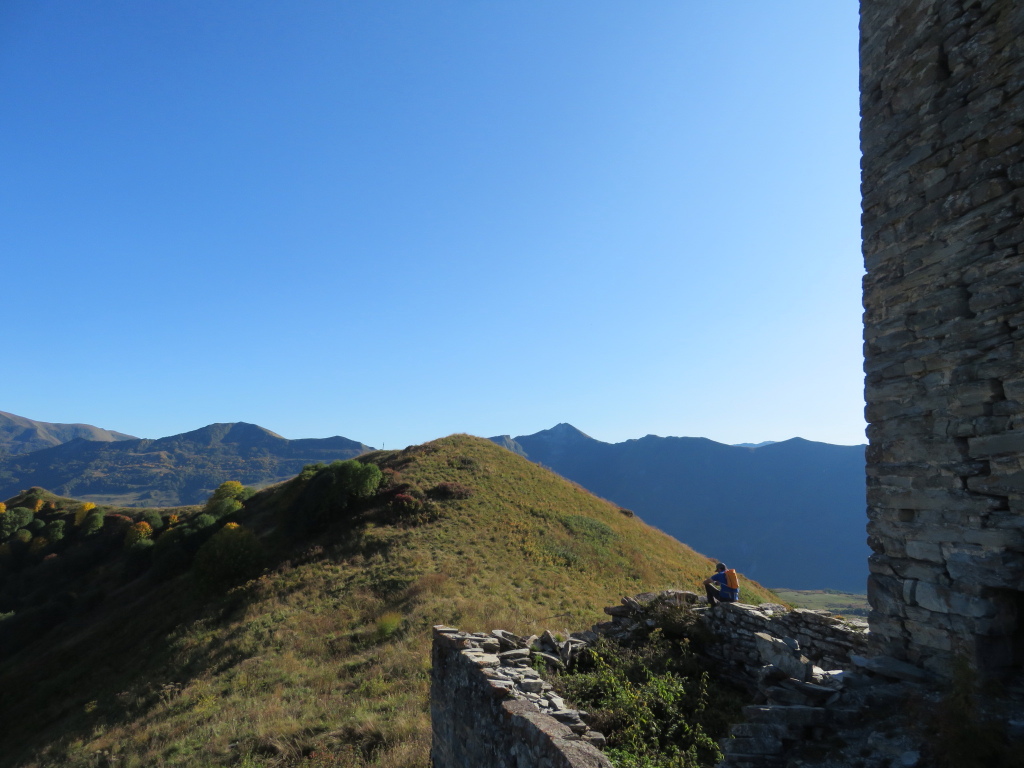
(170, 471)
(21, 435)
(790, 513)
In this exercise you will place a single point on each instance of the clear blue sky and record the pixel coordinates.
(397, 220)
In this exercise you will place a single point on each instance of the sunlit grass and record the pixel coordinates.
(326, 661)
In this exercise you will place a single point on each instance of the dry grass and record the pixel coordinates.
(326, 663)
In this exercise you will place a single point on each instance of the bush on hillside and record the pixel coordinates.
(333, 489)
(13, 519)
(227, 499)
(199, 522)
(138, 532)
(655, 703)
(83, 512)
(54, 530)
(231, 555)
(153, 519)
(92, 523)
(450, 490)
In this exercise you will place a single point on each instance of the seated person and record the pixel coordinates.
(718, 587)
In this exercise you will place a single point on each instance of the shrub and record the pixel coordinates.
(203, 521)
(231, 555)
(92, 523)
(54, 530)
(450, 491)
(23, 535)
(138, 532)
(404, 503)
(311, 470)
(227, 499)
(119, 523)
(153, 519)
(13, 519)
(656, 704)
(35, 525)
(333, 489)
(83, 512)
(387, 625)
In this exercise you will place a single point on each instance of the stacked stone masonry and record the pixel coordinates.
(490, 707)
(942, 134)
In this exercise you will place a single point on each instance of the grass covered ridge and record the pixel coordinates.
(323, 660)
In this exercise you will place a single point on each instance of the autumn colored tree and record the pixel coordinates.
(82, 512)
(3, 507)
(137, 532)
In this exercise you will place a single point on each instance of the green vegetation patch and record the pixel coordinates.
(655, 702)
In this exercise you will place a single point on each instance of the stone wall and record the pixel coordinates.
(942, 134)
(485, 708)
(489, 706)
(826, 642)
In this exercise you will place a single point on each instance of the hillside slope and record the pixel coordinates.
(324, 659)
(180, 469)
(790, 514)
(20, 435)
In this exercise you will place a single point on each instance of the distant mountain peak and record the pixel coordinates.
(563, 431)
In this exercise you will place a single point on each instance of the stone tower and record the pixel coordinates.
(942, 134)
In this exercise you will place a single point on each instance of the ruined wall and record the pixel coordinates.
(942, 104)
(478, 720)
(489, 706)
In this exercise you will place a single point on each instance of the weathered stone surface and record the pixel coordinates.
(486, 714)
(943, 244)
(780, 655)
(891, 668)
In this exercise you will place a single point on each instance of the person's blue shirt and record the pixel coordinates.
(726, 592)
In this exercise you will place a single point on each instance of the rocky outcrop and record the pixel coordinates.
(943, 200)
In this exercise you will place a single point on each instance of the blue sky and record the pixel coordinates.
(398, 220)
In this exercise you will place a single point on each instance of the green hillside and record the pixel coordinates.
(323, 660)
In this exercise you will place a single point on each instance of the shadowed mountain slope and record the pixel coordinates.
(789, 513)
(20, 435)
(323, 660)
(180, 469)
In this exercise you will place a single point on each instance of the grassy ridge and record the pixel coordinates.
(324, 659)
